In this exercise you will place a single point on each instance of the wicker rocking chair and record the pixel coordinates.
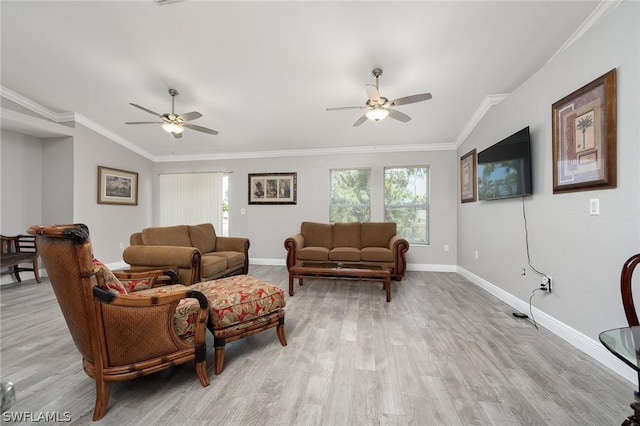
(121, 335)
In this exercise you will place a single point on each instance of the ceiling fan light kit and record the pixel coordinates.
(377, 114)
(172, 128)
(172, 123)
(379, 107)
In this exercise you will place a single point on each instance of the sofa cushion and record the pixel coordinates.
(346, 234)
(136, 239)
(317, 234)
(234, 258)
(203, 237)
(345, 254)
(377, 234)
(240, 298)
(376, 254)
(212, 264)
(313, 253)
(167, 236)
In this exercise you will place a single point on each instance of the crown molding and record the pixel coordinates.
(307, 152)
(603, 9)
(488, 102)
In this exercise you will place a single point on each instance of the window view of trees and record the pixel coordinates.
(350, 195)
(406, 202)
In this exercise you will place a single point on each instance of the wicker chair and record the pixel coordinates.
(120, 336)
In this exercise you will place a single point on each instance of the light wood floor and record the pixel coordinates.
(442, 352)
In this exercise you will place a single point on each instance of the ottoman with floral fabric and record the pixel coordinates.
(239, 306)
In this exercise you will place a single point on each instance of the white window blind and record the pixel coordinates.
(191, 199)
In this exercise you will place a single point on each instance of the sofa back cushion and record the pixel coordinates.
(377, 234)
(136, 239)
(346, 234)
(167, 236)
(203, 237)
(317, 234)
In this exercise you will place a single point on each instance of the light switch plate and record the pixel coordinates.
(594, 206)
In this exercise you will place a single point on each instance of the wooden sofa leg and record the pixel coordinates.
(280, 332)
(103, 391)
(218, 344)
(36, 272)
(201, 364)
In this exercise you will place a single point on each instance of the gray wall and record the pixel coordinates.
(582, 253)
(54, 180)
(267, 226)
(21, 182)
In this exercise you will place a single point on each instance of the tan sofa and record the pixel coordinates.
(366, 242)
(195, 249)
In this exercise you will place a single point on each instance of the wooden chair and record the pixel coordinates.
(17, 251)
(120, 336)
(627, 294)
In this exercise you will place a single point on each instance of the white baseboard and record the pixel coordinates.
(581, 341)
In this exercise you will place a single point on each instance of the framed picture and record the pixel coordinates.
(117, 186)
(273, 188)
(584, 137)
(468, 177)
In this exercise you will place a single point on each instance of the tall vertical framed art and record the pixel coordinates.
(468, 177)
(584, 137)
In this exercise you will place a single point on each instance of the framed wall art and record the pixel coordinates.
(468, 177)
(273, 188)
(584, 137)
(117, 186)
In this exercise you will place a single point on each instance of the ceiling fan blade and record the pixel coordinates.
(372, 92)
(177, 135)
(399, 115)
(146, 109)
(189, 116)
(200, 129)
(144, 122)
(411, 99)
(360, 121)
(349, 107)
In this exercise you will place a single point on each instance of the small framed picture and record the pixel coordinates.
(584, 137)
(468, 177)
(273, 188)
(117, 186)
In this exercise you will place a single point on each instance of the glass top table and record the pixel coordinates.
(624, 343)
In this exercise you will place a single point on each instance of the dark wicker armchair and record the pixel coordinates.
(125, 334)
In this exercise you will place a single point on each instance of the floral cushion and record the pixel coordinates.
(138, 284)
(107, 280)
(239, 298)
(185, 318)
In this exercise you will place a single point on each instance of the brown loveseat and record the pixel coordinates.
(195, 249)
(355, 242)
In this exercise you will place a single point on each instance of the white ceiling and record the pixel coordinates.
(262, 73)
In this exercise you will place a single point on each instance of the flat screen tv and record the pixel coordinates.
(504, 169)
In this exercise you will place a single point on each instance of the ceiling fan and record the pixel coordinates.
(379, 107)
(172, 123)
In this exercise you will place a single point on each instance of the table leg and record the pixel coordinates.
(387, 285)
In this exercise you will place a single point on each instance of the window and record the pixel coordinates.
(406, 202)
(191, 199)
(350, 195)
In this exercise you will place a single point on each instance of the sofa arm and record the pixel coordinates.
(293, 244)
(399, 246)
(182, 257)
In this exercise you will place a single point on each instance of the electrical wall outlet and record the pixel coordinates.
(546, 284)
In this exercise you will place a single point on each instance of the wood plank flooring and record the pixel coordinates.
(442, 352)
